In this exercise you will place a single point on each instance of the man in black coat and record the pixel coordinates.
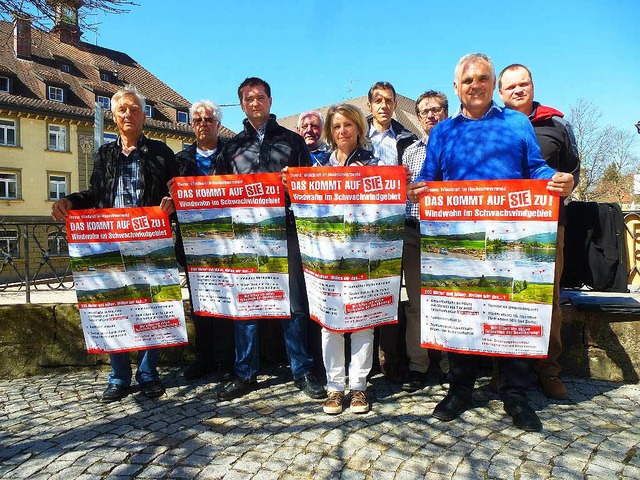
(132, 171)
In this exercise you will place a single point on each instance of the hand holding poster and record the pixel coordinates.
(488, 254)
(234, 234)
(350, 223)
(126, 279)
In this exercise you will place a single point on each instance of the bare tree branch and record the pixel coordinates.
(43, 12)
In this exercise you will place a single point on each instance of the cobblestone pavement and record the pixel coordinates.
(55, 427)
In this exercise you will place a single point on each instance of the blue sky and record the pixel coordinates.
(319, 52)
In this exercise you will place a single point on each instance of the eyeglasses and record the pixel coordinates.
(204, 119)
(434, 110)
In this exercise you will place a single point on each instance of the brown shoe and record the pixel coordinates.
(359, 402)
(333, 403)
(553, 387)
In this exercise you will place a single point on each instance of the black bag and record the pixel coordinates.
(594, 251)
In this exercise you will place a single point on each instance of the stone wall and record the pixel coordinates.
(34, 339)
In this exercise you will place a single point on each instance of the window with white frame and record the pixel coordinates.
(104, 101)
(183, 117)
(9, 244)
(148, 111)
(55, 94)
(4, 84)
(57, 186)
(57, 138)
(7, 132)
(58, 246)
(105, 76)
(65, 68)
(9, 186)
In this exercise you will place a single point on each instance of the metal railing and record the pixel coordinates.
(34, 255)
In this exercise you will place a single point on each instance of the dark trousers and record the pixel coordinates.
(512, 383)
(214, 340)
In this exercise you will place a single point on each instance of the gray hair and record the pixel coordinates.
(128, 91)
(308, 114)
(473, 57)
(206, 103)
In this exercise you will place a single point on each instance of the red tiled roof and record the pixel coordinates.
(31, 75)
(405, 113)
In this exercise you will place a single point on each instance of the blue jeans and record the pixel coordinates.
(121, 367)
(248, 352)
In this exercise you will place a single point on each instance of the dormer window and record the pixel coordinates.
(4, 84)
(65, 68)
(105, 76)
(55, 94)
(183, 117)
(148, 111)
(104, 101)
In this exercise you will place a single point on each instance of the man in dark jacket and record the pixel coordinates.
(265, 147)
(132, 171)
(389, 139)
(214, 336)
(558, 148)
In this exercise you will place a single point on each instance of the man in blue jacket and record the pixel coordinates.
(485, 142)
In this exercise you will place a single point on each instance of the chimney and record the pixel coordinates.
(66, 22)
(22, 36)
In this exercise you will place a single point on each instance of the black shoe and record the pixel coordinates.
(310, 386)
(236, 388)
(451, 407)
(197, 369)
(114, 393)
(394, 373)
(415, 381)
(523, 416)
(152, 389)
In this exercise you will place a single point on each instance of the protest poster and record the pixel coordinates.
(350, 224)
(487, 263)
(234, 230)
(126, 279)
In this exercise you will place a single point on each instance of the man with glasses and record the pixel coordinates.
(431, 108)
(389, 139)
(214, 336)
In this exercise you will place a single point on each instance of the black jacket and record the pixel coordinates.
(157, 167)
(187, 159)
(404, 136)
(280, 148)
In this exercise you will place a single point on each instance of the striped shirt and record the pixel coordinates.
(384, 145)
(414, 157)
(127, 185)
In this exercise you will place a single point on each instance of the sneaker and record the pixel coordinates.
(333, 403)
(359, 402)
(553, 387)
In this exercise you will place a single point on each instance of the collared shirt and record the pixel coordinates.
(127, 185)
(261, 131)
(413, 158)
(492, 109)
(204, 159)
(320, 154)
(384, 145)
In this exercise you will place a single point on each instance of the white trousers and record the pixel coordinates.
(334, 359)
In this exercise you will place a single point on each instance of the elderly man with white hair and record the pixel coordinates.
(131, 171)
(310, 126)
(214, 345)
